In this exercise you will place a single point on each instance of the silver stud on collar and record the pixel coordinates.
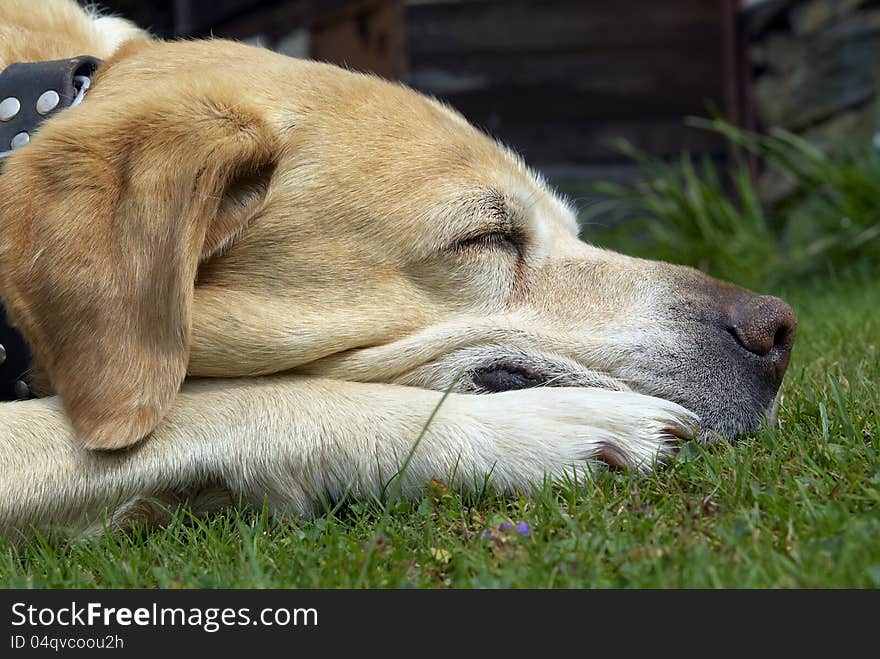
(48, 101)
(19, 140)
(2, 353)
(9, 107)
(21, 389)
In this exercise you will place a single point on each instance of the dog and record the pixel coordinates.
(246, 277)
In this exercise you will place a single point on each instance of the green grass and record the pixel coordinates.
(796, 505)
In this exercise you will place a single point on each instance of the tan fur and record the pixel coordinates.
(158, 196)
(37, 30)
(221, 211)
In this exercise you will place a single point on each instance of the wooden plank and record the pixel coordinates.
(560, 80)
(528, 26)
(198, 16)
(277, 19)
(570, 141)
(158, 16)
(672, 74)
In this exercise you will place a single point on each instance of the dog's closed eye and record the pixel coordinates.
(501, 237)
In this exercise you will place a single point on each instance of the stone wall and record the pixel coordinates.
(816, 71)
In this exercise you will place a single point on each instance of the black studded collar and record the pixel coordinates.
(30, 93)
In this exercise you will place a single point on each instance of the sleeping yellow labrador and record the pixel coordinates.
(249, 277)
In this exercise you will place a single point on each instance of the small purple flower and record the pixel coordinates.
(503, 531)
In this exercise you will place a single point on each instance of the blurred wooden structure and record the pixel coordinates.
(366, 35)
(561, 79)
(558, 80)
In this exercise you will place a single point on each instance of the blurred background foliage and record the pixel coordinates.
(688, 211)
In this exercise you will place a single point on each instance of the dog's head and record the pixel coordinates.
(222, 210)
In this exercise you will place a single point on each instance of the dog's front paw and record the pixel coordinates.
(558, 432)
(647, 431)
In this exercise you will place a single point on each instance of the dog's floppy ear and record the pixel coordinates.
(104, 219)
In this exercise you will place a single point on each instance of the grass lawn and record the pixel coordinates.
(797, 505)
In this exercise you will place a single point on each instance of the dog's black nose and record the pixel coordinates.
(765, 326)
